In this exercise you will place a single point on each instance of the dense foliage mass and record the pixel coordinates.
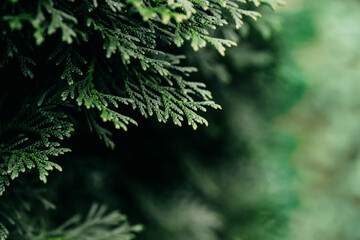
(67, 63)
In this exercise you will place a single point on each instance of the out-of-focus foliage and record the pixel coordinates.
(325, 46)
(22, 205)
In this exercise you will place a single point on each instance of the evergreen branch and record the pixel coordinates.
(168, 101)
(97, 225)
(87, 95)
(71, 59)
(36, 127)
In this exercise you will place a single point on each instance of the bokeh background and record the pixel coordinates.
(280, 161)
(325, 119)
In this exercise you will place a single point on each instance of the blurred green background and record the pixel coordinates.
(325, 121)
(280, 161)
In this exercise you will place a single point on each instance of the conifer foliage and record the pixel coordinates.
(104, 59)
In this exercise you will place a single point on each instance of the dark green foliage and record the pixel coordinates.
(36, 129)
(100, 60)
(19, 212)
(96, 225)
(109, 58)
